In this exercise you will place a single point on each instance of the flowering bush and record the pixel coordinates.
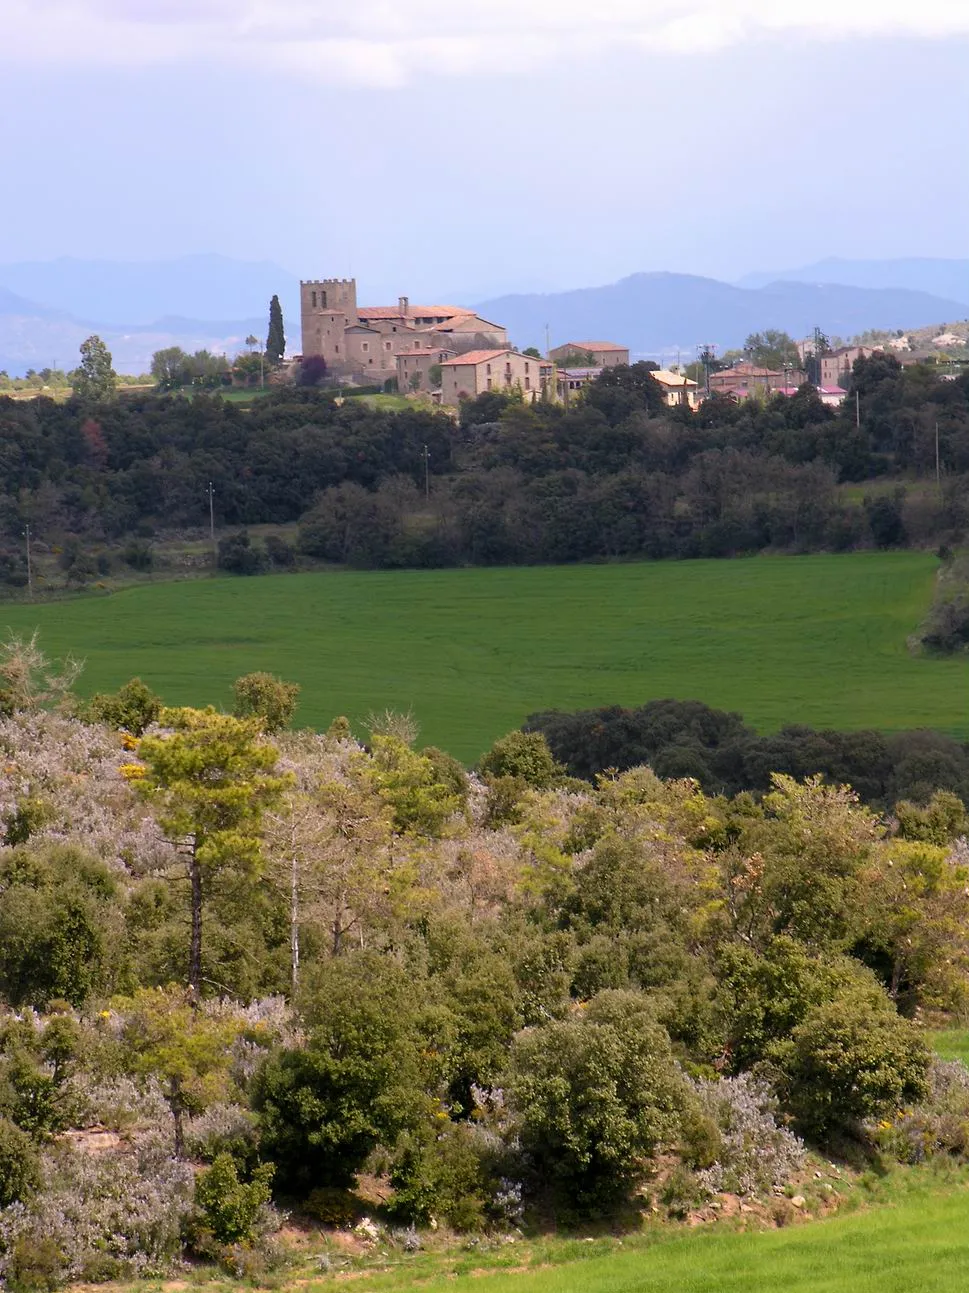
(117, 1103)
(755, 1153)
(113, 1215)
(937, 1125)
(222, 1129)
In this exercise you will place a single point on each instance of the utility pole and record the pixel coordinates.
(547, 343)
(427, 475)
(30, 572)
(211, 493)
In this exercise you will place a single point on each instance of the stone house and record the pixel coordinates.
(836, 367)
(605, 354)
(364, 341)
(743, 378)
(477, 371)
(570, 381)
(419, 360)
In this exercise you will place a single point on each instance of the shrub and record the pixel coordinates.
(312, 371)
(263, 696)
(524, 755)
(19, 1164)
(223, 1129)
(34, 1265)
(138, 555)
(332, 1206)
(324, 1106)
(754, 1154)
(595, 1095)
(279, 552)
(681, 1192)
(851, 1060)
(118, 1214)
(938, 1125)
(442, 1175)
(228, 1208)
(29, 1096)
(240, 556)
(133, 708)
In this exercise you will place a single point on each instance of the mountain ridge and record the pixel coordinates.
(653, 312)
(939, 276)
(660, 312)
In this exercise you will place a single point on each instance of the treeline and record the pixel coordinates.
(255, 963)
(619, 474)
(726, 757)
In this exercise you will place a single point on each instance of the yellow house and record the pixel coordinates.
(677, 388)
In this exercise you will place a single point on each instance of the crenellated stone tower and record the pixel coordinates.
(328, 306)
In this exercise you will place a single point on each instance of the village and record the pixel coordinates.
(450, 353)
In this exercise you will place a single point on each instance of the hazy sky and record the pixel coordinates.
(445, 146)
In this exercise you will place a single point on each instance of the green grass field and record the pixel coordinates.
(819, 640)
(952, 1044)
(919, 1245)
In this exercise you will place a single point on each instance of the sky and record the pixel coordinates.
(470, 148)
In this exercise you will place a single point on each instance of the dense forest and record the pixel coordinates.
(619, 474)
(244, 968)
(725, 756)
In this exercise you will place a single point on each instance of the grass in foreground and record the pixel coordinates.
(920, 1246)
(913, 1240)
(952, 1044)
(818, 640)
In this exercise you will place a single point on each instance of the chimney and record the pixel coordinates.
(403, 305)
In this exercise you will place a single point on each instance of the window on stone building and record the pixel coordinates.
(323, 300)
(313, 294)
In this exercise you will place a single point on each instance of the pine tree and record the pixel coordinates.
(276, 340)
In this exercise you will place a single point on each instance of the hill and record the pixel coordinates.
(818, 640)
(128, 293)
(653, 313)
(213, 302)
(206, 302)
(945, 278)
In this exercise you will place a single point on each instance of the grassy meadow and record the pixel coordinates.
(816, 639)
(918, 1245)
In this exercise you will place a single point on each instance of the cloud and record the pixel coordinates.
(389, 42)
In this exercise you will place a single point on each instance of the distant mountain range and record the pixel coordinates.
(945, 278)
(659, 313)
(141, 292)
(213, 302)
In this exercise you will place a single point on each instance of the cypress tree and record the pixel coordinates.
(276, 340)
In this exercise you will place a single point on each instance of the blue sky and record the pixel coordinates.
(445, 149)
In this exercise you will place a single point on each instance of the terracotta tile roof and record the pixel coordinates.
(666, 378)
(591, 345)
(466, 317)
(477, 357)
(413, 312)
(425, 350)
